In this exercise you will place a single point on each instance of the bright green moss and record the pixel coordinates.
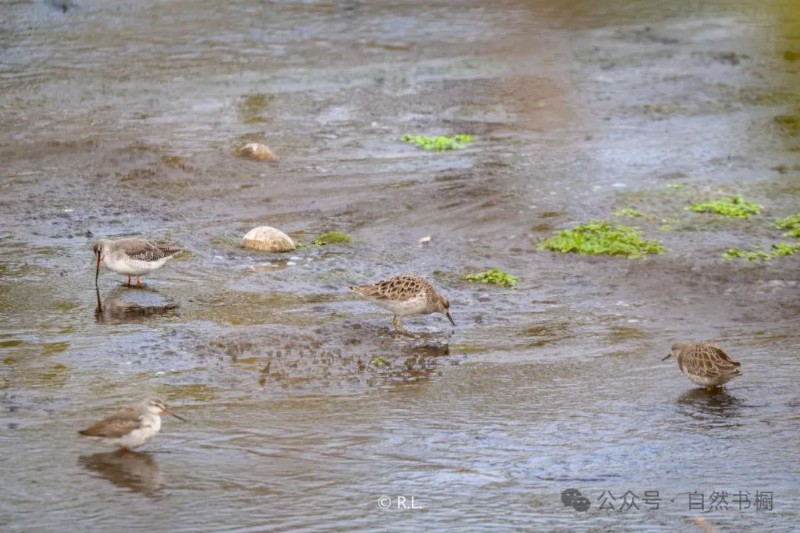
(494, 276)
(439, 143)
(600, 237)
(628, 212)
(735, 253)
(736, 207)
(791, 223)
(332, 237)
(784, 248)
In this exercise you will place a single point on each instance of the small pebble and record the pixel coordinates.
(257, 151)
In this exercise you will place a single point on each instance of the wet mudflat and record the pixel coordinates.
(305, 411)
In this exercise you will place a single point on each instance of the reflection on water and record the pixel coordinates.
(124, 304)
(714, 408)
(130, 470)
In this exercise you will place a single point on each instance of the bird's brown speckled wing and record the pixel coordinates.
(724, 363)
(115, 426)
(396, 287)
(709, 360)
(143, 250)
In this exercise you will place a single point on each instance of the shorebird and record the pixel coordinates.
(704, 363)
(131, 257)
(132, 426)
(405, 295)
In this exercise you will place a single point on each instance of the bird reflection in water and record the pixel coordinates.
(717, 404)
(122, 305)
(130, 470)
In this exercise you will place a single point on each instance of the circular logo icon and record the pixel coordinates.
(568, 496)
(581, 503)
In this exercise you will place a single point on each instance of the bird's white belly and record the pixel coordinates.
(415, 306)
(709, 380)
(140, 436)
(134, 267)
(136, 438)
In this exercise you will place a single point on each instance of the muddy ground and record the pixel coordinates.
(305, 410)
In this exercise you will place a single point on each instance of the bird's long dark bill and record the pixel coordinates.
(667, 357)
(99, 301)
(97, 273)
(173, 414)
(451, 318)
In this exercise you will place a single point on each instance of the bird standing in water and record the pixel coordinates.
(405, 295)
(704, 363)
(131, 257)
(131, 427)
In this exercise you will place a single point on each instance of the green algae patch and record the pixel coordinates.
(735, 253)
(52, 348)
(628, 212)
(790, 223)
(779, 249)
(735, 207)
(666, 224)
(600, 237)
(784, 248)
(65, 306)
(332, 237)
(252, 108)
(9, 343)
(174, 161)
(440, 143)
(195, 391)
(493, 276)
(56, 376)
(675, 186)
(789, 124)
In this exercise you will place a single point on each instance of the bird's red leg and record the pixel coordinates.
(129, 281)
(138, 281)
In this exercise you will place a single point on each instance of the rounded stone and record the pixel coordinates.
(268, 239)
(257, 151)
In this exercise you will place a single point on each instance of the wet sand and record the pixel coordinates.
(305, 410)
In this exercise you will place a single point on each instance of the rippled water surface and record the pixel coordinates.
(305, 412)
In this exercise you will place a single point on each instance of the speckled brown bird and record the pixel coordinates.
(704, 363)
(405, 295)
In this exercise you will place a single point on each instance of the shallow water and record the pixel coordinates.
(305, 413)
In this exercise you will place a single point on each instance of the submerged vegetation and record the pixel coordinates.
(494, 276)
(778, 250)
(252, 108)
(755, 255)
(600, 237)
(378, 361)
(332, 237)
(628, 212)
(789, 124)
(736, 207)
(440, 143)
(784, 248)
(791, 223)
